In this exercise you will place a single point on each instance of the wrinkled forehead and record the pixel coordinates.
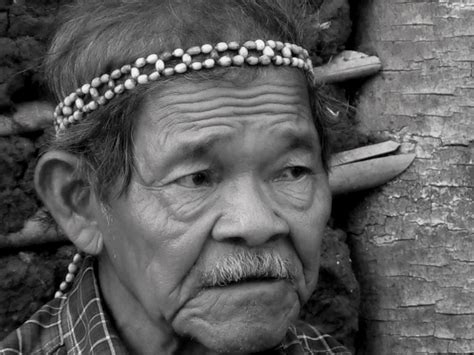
(269, 97)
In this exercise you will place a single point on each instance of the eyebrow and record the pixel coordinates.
(195, 149)
(294, 140)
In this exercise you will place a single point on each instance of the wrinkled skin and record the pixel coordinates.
(219, 167)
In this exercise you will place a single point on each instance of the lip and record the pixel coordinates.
(274, 286)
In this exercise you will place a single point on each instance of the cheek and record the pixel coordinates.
(307, 230)
(152, 251)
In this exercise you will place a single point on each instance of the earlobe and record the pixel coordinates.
(69, 199)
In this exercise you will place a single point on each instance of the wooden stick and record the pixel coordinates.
(367, 174)
(362, 153)
(29, 116)
(347, 65)
(34, 232)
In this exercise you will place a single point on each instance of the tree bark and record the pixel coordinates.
(412, 240)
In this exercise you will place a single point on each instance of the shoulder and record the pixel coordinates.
(305, 338)
(41, 334)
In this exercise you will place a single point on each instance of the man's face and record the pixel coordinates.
(223, 172)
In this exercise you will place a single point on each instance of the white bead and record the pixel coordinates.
(129, 84)
(85, 88)
(125, 69)
(67, 111)
(286, 61)
(221, 46)
(259, 45)
(61, 127)
(268, 52)
(119, 89)
(250, 45)
(152, 58)
(243, 52)
(168, 71)
(208, 63)
(278, 60)
(77, 258)
(180, 68)
(225, 61)
(186, 58)
(116, 74)
(159, 65)
(252, 60)
(140, 62)
(67, 101)
(142, 79)
(196, 66)
(71, 119)
(286, 52)
(69, 277)
(72, 268)
(271, 43)
(93, 92)
(59, 294)
(296, 49)
(238, 60)
(111, 84)
(102, 100)
(134, 73)
(194, 50)
(178, 52)
(96, 82)
(294, 62)
(206, 48)
(104, 78)
(300, 63)
(165, 56)
(63, 286)
(233, 45)
(264, 60)
(279, 45)
(77, 115)
(109, 94)
(154, 76)
(73, 97)
(92, 106)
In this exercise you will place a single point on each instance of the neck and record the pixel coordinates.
(140, 334)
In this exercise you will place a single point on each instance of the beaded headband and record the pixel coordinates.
(104, 88)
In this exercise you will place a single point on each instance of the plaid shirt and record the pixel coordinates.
(78, 324)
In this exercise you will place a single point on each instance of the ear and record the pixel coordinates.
(69, 199)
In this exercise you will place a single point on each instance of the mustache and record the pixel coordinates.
(248, 265)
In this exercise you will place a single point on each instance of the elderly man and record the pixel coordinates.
(188, 164)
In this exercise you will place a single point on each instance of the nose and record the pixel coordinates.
(247, 215)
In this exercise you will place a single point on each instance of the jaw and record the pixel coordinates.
(244, 317)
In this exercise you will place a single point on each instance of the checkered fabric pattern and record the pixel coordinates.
(78, 324)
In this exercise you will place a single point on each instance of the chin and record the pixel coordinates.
(247, 329)
(241, 318)
(243, 338)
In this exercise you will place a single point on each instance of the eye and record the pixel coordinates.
(293, 173)
(198, 179)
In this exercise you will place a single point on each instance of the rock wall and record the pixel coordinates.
(31, 272)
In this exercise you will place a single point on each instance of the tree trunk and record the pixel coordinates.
(412, 240)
